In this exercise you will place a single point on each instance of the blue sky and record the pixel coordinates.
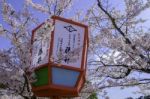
(81, 5)
(18, 4)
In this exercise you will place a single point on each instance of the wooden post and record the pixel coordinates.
(55, 97)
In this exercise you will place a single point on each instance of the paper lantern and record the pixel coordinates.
(59, 57)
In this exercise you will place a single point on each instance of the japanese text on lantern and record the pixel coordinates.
(41, 44)
(68, 44)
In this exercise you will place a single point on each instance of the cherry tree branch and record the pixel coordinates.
(124, 85)
(127, 40)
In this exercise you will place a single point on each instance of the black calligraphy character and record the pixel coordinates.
(39, 60)
(74, 40)
(66, 60)
(67, 49)
(70, 28)
(40, 51)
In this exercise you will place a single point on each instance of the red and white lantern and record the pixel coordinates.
(59, 56)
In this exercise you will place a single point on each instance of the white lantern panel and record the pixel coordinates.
(41, 45)
(68, 44)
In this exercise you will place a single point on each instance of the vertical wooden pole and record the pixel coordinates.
(55, 97)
